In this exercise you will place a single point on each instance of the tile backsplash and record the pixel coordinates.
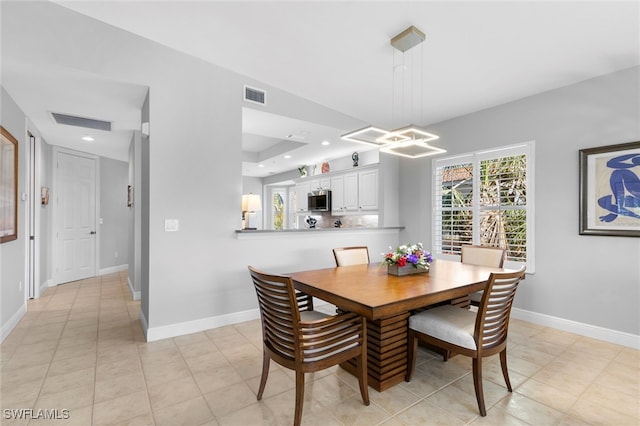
(327, 220)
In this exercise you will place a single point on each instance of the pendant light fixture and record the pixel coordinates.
(409, 141)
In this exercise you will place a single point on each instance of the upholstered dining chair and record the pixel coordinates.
(483, 256)
(305, 341)
(345, 256)
(477, 335)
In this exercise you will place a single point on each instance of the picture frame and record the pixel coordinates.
(610, 190)
(8, 186)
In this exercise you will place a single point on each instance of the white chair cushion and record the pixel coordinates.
(448, 323)
(476, 297)
(483, 256)
(307, 316)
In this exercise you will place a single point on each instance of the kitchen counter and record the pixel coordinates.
(248, 233)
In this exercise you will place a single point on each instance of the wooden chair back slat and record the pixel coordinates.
(492, 320)
(305, 302)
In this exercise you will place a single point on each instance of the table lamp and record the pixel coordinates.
(250, 204)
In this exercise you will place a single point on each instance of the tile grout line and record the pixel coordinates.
(592, 383)
(95, 370)
(193, 377)
(55, 350)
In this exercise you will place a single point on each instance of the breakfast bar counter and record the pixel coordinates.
(249, 233)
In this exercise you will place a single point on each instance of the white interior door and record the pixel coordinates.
(76, 217)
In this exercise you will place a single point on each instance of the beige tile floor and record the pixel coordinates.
(80, 348)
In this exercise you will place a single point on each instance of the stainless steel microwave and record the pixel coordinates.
(319, 201)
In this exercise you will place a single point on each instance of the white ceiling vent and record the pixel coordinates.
(256, 96)
(89, 123)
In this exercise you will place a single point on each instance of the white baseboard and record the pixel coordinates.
(135, 295)
(188, 327)
(112, 269)
(144, 324)
(600, 333)
(13, 321)
(44, 286)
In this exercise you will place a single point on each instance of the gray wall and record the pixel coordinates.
(12, 253)
(589, 279)
(114, 242)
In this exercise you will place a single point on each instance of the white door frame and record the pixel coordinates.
(33, 226)
(55, 211)
(33, 171)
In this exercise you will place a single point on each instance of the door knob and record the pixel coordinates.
(92, 232)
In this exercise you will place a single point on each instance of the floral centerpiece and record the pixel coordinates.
(408, 259)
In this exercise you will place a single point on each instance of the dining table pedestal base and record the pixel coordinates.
(386, 352)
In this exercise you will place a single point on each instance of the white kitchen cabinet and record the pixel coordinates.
(323, 183)
(344, 193)
(337, 195)
(319, 184)
(302, 192)
(351, 192)
(368, 190)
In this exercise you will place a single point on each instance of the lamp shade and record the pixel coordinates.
(251, 203)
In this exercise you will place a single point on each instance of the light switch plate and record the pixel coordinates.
(171, 225)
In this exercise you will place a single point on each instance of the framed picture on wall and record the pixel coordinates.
(610, 190)
(8, 186)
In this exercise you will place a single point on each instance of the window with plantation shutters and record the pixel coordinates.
(485, 198)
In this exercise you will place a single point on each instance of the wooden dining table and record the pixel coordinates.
(387, 302)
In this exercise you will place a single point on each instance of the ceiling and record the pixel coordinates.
(41, 91)
(274, 144)
(477, 54)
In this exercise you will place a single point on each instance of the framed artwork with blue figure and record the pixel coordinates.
(610, 190)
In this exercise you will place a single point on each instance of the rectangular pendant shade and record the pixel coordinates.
(368, 135)
(411, 149)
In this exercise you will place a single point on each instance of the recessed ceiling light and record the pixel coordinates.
(287, 156)
(88, 138)
(325, 143)
(260, 165)
(295, 136)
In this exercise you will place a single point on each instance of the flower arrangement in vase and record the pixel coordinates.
(407, 259)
